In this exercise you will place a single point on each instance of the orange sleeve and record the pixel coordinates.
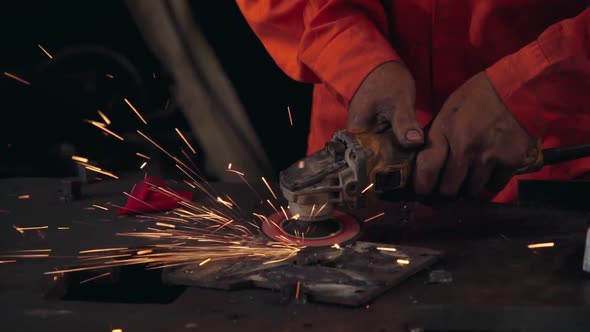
(563, 49)
(335, 42)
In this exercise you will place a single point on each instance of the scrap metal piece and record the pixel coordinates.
(586, 263)
(353, 275)
(440, 277)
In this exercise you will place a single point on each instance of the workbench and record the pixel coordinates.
(498, 283)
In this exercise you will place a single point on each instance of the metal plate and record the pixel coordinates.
(351, 276)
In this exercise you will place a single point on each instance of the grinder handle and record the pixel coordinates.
(536, 159)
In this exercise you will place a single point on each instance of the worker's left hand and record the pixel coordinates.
(472, 136)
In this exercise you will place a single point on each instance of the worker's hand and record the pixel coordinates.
(385, 100)
(473, 135)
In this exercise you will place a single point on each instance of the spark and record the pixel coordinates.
(205, 262)
(33, 250)
(224, 202)
(98, 170)
(143, 165)
(8, 261)
(26, 256)
(386, 249)
(234, 171)
(290, 118)
(109, 76)
(143, 252)
(24, 229)
(45, 51)
(61, 228)
(269, 188)
(24, 196)
(162, 224)
(102, 127)
(336, 246)
(312, 208)
(368, 187)
(142, 155)
(17, 78)
(297, 289)
(80, 159)
(95, 277)
(229, 166)
(375, 217)
(189, 184)
(135, 110)
(104, 117)
(272, 206)
(403, 261)
(321, 208)
(91, 251)
(185, 141)
(541, 245)
(296, 216)
(284, 213)
(100, 207)
(301, 164)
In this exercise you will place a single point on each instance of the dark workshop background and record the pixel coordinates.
(43, 124)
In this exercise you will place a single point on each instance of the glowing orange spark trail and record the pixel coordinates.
(541, 245)
(368, 187)
(100, 250)
(185, 140)
(135, 110)
(269, 188)
(98, 170)
(386, 249)
(142, 156)
(24, 196)
(45, 51)
(234, 171)
(143, 165)
(17, 78)
(272, 206)
(297, 290)
(109, 76)
(104, 117)
(165, 225)
(100, 207)
(375, 217)
(205, 262)
(80, 159)
(33, 228)
(290, 118)
(284, 213)
(102, 127)
(95, 277)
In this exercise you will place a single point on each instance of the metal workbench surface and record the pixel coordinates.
(498, 282)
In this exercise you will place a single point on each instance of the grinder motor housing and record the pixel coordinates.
(351, 170)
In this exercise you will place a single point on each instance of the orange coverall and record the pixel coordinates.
(535, 52)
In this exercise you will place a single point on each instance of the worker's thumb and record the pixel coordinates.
(405, 126)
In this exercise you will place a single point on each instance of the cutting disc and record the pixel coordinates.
(340, 229)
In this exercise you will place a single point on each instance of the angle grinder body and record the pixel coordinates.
(351, 171)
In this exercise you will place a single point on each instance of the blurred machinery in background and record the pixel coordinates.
(201, 88)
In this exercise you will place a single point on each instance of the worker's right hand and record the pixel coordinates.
(385, 100)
